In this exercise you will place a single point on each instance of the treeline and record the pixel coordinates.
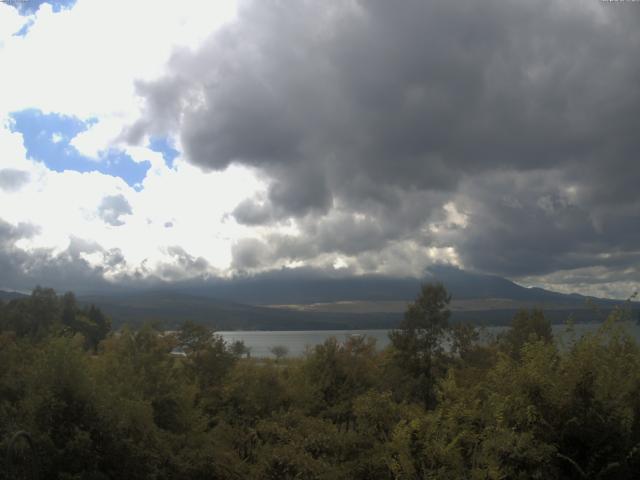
(45, 314)
(437, 403)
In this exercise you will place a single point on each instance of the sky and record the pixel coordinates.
(145, 142)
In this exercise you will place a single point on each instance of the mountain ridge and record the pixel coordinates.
(304, 300)
(302, 286)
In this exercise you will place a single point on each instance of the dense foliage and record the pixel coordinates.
(143, 404)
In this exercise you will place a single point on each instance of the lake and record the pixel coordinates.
(260, 342)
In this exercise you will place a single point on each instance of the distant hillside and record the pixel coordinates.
(171, 309)
(302, 286)
(6, 296)
(470, 285)
(299, 299)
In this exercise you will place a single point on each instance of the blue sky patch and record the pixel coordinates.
(46, 139)
(25, 28)
(165, 146)
(27, 7)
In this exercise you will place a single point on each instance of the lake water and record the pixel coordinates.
(297, 342)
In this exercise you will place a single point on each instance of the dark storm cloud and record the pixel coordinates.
(520, 224)
(365, 108)
(112, 208)
(340, 232)
(12, 179)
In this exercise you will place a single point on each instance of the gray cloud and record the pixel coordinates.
(184, 265)
(249, 253)
(369, 117)
(21, 269)
(252, 212)
(112, 208)
(12, 179)
(341, 232)
(10, 233)
(523, 224)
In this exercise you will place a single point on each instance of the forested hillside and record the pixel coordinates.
(99, 404)
(172, 308)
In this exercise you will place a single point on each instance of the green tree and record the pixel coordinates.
(69, 306)
(337, 373)
(239, 349)
(253, 391)
(279, 351)
(100, 326)
(44, 308)
(33, 316)
(208, 361)
(527, 326)
(417, 344)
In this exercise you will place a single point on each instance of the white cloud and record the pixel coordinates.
(84, 62)
(97, 138)
(11, 148)
(10, 22)
(67, 204)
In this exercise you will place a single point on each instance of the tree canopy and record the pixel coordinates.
(437, 403)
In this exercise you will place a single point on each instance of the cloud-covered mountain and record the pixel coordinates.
(239, 138)
(305, 299)
(305, 286)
